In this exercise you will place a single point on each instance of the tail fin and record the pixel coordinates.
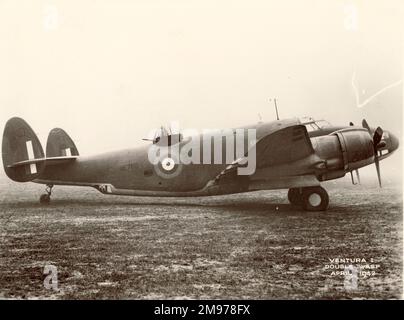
(20, 143)
(59, 144)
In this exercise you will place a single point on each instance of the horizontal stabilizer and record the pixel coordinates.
(47, 161)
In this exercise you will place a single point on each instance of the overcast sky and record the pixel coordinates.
(110, 71)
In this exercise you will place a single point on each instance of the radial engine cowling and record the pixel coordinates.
(356, 146)
(343, 151)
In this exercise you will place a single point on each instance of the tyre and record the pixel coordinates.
(315, 199)
(44, 199)
(295, 196)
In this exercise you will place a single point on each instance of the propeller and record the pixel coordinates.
(365, 125)
(377, 137)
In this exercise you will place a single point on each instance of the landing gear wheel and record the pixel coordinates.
(45, 198)
(315, 199)
(295, 196)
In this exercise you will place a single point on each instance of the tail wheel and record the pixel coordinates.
(315, 199)
(44, 199)
(295, 196)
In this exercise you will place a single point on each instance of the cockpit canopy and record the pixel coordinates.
(314, 125)
(165, 136)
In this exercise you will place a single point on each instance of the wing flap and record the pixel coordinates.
(285, 183)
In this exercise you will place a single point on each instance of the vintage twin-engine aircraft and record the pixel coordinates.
(290, 154)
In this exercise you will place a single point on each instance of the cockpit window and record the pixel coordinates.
(311, 127)
(162, 132)
(314, 125)
(323, 124)
(165, 136)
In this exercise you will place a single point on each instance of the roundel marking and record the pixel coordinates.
(168, 168)
(168, 164)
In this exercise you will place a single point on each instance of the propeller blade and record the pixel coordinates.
(358, 176)
(365, 125)
(378, 170)
(377, 137)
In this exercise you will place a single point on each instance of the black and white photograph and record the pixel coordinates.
(197, 150)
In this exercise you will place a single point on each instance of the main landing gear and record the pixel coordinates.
(46, 197)
(310, 198)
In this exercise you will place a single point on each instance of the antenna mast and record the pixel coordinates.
(276, 109)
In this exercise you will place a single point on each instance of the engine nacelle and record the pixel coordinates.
(343, 151)
(357, 147)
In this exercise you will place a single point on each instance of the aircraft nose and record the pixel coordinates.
(393, 145)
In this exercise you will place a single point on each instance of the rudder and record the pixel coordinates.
(59, 144)
(20, 143)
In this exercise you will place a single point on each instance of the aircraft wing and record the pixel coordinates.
(283, 146)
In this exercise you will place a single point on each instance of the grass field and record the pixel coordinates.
(241, 246)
